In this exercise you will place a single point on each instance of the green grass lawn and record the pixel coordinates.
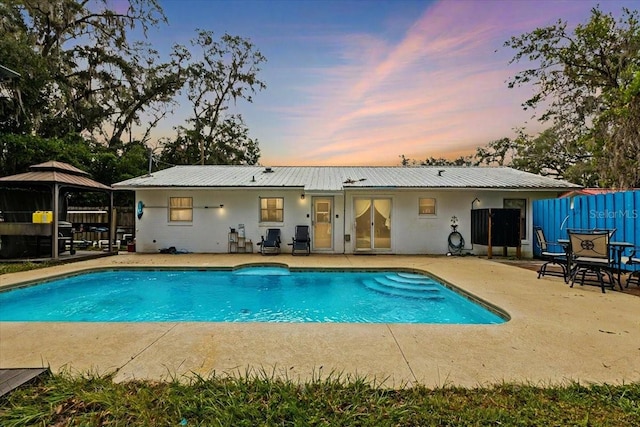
(89, 400)
(22, 266)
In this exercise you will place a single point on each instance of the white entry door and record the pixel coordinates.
(322, 238)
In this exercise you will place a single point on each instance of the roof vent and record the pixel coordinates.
(267, 170)
(440, 171)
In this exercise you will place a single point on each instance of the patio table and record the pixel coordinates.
(618, 248)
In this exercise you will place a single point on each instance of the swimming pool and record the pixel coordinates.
(254, 294)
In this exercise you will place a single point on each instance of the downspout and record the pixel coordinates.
(470, 228)
(344, 222)
(112, 231)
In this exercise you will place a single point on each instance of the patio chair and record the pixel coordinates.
(301, 241)
(271, 242)
(633, 258)
(553, 257)
(591, 255)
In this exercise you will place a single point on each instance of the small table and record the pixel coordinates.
(618, 248)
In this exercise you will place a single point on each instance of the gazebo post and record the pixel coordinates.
(112, 231)
(54, 227)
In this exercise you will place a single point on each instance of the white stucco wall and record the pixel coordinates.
(208, 232)
(410, 232)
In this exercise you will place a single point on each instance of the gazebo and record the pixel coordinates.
(42, 189)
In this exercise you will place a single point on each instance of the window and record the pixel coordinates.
(427, 206)
(271, 209)
(181, 209)
(522, 205)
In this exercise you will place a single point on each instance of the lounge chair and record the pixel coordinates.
(633, 258)
(591, 255)
(301, 241)
(270, 243)
(554, 257)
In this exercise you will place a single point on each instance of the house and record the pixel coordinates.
(382, 210)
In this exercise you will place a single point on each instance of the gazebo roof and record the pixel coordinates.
(54, 172)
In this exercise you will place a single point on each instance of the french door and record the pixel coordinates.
(372, 223)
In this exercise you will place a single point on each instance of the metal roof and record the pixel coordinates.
(338, 178)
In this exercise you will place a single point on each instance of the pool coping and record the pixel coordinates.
(556, 334)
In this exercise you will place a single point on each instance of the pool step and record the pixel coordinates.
(414, 286)
(423, 280)
(412, 275)
(262, 271)
(375, 285)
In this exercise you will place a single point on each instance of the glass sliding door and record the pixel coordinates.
(373, 223)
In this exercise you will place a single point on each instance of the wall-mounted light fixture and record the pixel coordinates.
(474, 201)
(302, 196)
(215, 207)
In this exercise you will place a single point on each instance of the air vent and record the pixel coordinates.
(267, 170)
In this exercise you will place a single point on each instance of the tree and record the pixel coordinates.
(546, 154)
(440, 161)
(227, 72)
(18, 152)
(588, 83)
(500, 152)
(80, 73)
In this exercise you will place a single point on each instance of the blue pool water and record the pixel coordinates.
(245, 295)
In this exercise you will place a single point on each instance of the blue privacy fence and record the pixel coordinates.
(619, 211)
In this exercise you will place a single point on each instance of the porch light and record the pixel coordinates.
(302, 196)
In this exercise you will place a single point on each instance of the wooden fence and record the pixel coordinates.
(92, 224)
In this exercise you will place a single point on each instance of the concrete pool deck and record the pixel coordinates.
(555, 335)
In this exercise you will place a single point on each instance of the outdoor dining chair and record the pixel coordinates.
(552, 257)
(633, 258)
(591, 256)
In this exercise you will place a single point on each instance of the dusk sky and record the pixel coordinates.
(362, 82)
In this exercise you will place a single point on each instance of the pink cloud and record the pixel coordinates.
(440, 89)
